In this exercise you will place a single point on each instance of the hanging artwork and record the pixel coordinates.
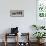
(41, 8)
(41, 12)
(17, 13)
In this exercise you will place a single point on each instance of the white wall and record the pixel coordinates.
(24, 23)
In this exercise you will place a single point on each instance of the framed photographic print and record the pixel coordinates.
(17, 13)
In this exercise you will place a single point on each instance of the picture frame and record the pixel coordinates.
(41, 12)
(17, 13)
(41, 8)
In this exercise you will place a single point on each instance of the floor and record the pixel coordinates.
(13, 44)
